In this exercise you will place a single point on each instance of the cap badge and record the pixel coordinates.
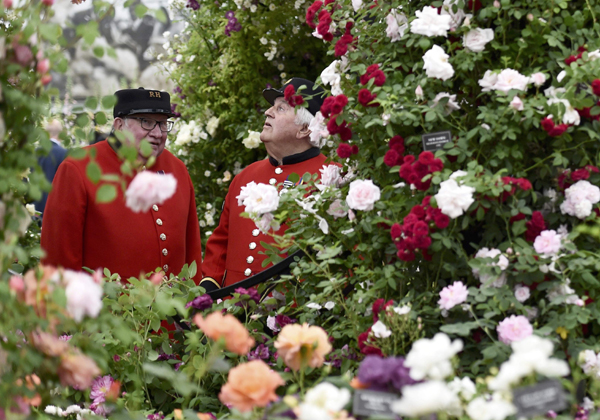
(154, 94)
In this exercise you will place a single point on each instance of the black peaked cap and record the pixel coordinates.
(142, 101)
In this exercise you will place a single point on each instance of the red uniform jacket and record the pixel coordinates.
(232, 251)
(78, 232)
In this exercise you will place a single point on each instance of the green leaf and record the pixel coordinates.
(50, 31)
(78, 153)
(82, 120)
(93, 172)
(108, 101)
(462, 329)
(106, 193)
(99, 52)
(160, 15)
(430, 116)
(91, 103)
(140, 10)
(100, 118)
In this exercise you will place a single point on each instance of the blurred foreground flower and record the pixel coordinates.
(148, 188)
(302, 345)
(215, 326)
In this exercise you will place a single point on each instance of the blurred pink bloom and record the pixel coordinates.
(16, 283)
(23, 54)
(43, 66)
(547, 243)
(514, 328)
(148, 188)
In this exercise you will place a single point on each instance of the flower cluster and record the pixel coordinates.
(373, 72)
(521, 183)
(324, 401)
(331, 108)
(453, 295)
(414, 170)
(232, 23)
(190, 132)
(514, 328)
(414, 233)
(530, 354)
(341, 46)
(291, 98)
(431, 357)
(324, 26)
(589, 361)
(568, 177)
(395, 155)
(579, 199)
(259, 201)
(553, 129)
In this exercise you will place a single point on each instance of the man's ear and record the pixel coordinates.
(303, 132)
(118, 123)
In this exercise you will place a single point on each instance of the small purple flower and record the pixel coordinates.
(551, 414)
(156, 416)
(201, 302)
(177, 365)
(251, 293)
(99, 409)
(211, 83)
(164, 356)
(268, 86)
(177, 90)
(229, 14)
(193, 4)
(260, 352)
(182, 96)
(65, 337)
(116, 357)
(581, 414)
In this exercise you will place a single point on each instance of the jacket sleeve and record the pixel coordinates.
(64, 218)
(193, 244)
(215, 254)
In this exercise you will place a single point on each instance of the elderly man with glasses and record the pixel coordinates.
(80, 232)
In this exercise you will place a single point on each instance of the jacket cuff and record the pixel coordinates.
(209, 284)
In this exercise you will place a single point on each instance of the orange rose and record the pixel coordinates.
(215, 326)
(302, 345)
(31, 381)
(250, 385)
(77, 370)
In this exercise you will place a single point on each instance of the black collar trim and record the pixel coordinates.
(298, 157)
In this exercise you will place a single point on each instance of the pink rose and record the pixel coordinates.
(547, 243)
(538, 79)
(16, 283)
(517, 103)
(337, 209)
(363, 194)
(148, 188)
(46, 78)
(23, 54)
(258, 198)
(8, 4)
(514, 328)
(43, 66)
(330, 176)
(267, 221)
(453, 295)
(48, 2)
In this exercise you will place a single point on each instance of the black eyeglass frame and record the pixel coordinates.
(141, 119)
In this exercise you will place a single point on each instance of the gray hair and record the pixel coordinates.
(303, 116)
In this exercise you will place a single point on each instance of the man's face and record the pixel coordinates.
(279, 125)
(155, 136)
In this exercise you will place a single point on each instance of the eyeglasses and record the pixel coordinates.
(149, 124)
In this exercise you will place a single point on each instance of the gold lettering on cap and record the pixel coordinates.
(154, 94)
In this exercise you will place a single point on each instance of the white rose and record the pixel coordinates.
(337, 209)
(380, 330)
(211, 126)
(318, 131)
(450, 106)
(84, 295)
(331, 76)
(455, 18)
(363, 194)
(429, 23)
(326, 397)
(331, 176)
(476, 39)
(494, 409)
(465, 387)
(357, 4)
(454, 199)
(436, 64)
(488, 81)
(522, 293)
(30, 209)
(418, 400)
(253, 140)
(148, 188)
(329, 305)
(259, 198)
(537, 79)
(511, 79)
(397, 24)
(430, 357)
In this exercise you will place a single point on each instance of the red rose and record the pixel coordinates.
(344, 150)
(596, 87)
(365, 97)
(391, 158)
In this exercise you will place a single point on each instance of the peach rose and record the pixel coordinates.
(77, 370)
(250, 385)
(38, 284)
(31, 381)
(302, 345)
(215, 326)
(49, 344)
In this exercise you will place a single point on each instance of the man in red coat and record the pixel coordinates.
(233, 250)
(79, 232)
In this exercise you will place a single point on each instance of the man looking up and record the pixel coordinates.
(79, 232)
(232, 251)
